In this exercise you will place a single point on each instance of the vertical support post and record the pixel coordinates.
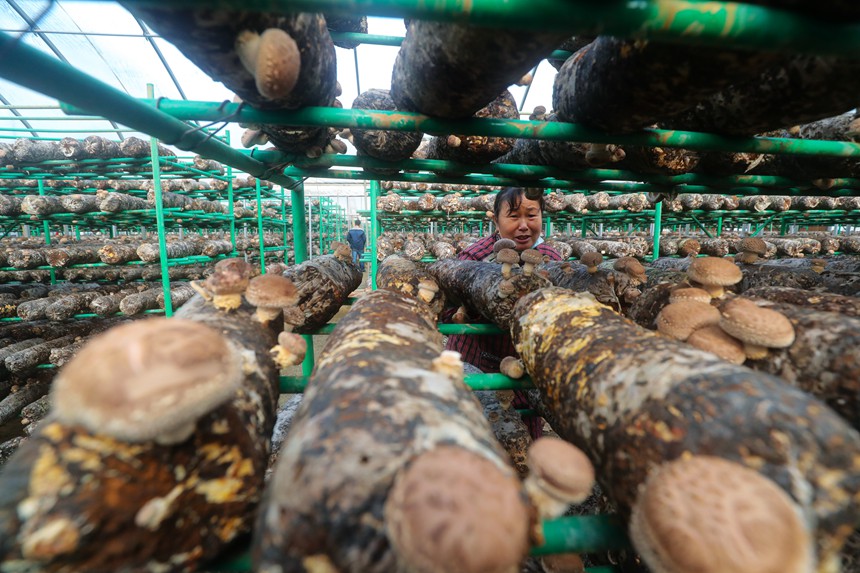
(77, 233)
(584, 227)
(720, 226)
(284, 223)
(310, 227)
(658, 229)
(230, 212)
(47, 228)
(159, 216)
(300, 245)
(374, 229)
(260, 227)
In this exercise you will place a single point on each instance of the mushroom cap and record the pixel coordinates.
(507, 288)
(454, 510)
(512, 366)
(714, 271)
(531, 256)
(271, 291)
(591, 259)
(294, 343)
(678, 320)
(428, 284)
(508, 256)
(503, 244)
(274, 60)
(562, 467)
(715, 340)
(632, 267)
(142, 380)
(750, 323)
(753, 245)
(689, 293)
(689, 247)
(710, 515)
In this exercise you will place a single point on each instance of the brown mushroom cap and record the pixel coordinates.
(271, 291)
(714, 271)
(753, 245)
(454, 510)
(591, 259)
(714, 339)
(506, 288)
(632, 267)
(689, 247)
(710, 515)
(564, 471)
(291, 349)
(689, 293)
(531, 256)
(750, 323)
(678, 320)
(508, 256)
(147, 380)
(503, 244)
(273, 58)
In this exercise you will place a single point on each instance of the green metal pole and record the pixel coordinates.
(658, 230)
(719, 226)
(556, 131)
(260, 228)
(46, 226)
(374, 230)
(300, 247)
(284, 222)
(230, 209)
(159, 217)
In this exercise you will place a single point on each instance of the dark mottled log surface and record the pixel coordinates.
(623, 85)
(508, 428)
(634, 400)
(824, 359)
(772, 275)
(453, 70)
(798, 89)
(345, 24)
(66, 255)
(11, 405)
(572, 44)
(379, 359)
(35, 151)
(108, 304)
(215, 248)
(66, 307)
(406, 277)
(382, 144)
(614, 289)
(10, 205)
(113, 202)
(33, 309)
(180, 293)
(14, 347)
(28, 358)
(78, 203)
(475, 285)
(477, 148)
(138, 302)
(207, 38)
(115, 253)
(658, 160)
(323, 284)
(149, 252)
(25, 258)
(645, 309)
(59, 356)
(209, 485)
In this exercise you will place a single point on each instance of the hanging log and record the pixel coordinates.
(149, 252)
(443, 250)
(323, 283)
(78, 203)
(612, 288)
(477, 148)
(346, 24)
(477, 286)
(453, 70)
(136, 147)
(797, 89)
(648, 305)
(382, 144)
(65, 307)
(11, 405)
(818, 301)
(27, 359)
(573, 45)
(180, 293)
(10, 205)
(384, 357)
(41, 205)
(116, 253)
(115, 202)
(620, 85)
(658, 160)
(147, 515)
(218, 43)
(757, 203)
(35, 151)
(769, 275)
(634, 400)
(406, 277)
(66, 255)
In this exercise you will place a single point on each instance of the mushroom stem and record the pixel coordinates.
(460, 315)
(265, 314)
(506, 270)
(754, 351)
(528, 269)
(227, 301)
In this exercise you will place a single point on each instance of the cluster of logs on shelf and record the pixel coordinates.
(415, 246)
(26, 186)
(25, 151)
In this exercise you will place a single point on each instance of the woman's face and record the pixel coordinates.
(522, 226)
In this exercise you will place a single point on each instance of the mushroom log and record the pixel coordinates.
(395, 448)
(633, 401)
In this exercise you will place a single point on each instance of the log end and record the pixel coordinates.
(707, 514)
(453, 510)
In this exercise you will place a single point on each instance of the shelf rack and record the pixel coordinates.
(689, 22)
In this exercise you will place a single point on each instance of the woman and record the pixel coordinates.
(520, 219)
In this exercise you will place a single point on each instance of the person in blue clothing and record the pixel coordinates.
(357, 240)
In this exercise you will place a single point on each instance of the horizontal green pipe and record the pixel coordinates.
(469, 329)
(558, 131)
(297, 384)
(58, 130)
(684, 21)
(31, 68)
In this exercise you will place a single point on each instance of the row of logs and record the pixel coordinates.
(123, 185)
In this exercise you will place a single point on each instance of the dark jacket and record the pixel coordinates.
(356, 239)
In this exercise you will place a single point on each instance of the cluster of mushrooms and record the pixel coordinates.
(736, 329)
